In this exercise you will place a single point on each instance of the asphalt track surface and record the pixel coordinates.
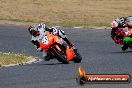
(100, 56)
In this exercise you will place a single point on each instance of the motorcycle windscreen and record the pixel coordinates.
(70, 54)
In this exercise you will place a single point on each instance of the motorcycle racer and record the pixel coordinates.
(38, 32)
(124, 23)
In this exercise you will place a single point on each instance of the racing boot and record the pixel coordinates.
(70, 44)
(124, 47)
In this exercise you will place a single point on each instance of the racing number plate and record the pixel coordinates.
(45, 40)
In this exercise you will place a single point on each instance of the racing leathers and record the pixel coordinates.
(116, 25)
(40, 31)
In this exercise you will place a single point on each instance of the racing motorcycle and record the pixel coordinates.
(57, 48)
(125, 35)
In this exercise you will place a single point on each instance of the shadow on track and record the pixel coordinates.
(120, 52)
(47, 64)
(51, 64)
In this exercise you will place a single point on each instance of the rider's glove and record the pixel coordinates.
(30, 27)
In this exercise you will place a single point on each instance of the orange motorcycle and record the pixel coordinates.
(57, 48)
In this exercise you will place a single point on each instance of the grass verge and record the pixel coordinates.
(17, 20)
(84, 24)
(63, 24)
(65, 12)
(10, 58)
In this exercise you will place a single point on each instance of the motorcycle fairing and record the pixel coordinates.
(69, 53)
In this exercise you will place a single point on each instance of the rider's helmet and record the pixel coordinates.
(128, 21)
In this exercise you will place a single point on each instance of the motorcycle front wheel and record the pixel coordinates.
(59, 55)
(77, 58)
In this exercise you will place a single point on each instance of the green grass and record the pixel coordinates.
(17, 20)
(77, 24)
(10, 58)
(64, 23)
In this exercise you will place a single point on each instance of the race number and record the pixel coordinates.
(45, 40)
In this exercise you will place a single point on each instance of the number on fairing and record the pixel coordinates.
(45, 40)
